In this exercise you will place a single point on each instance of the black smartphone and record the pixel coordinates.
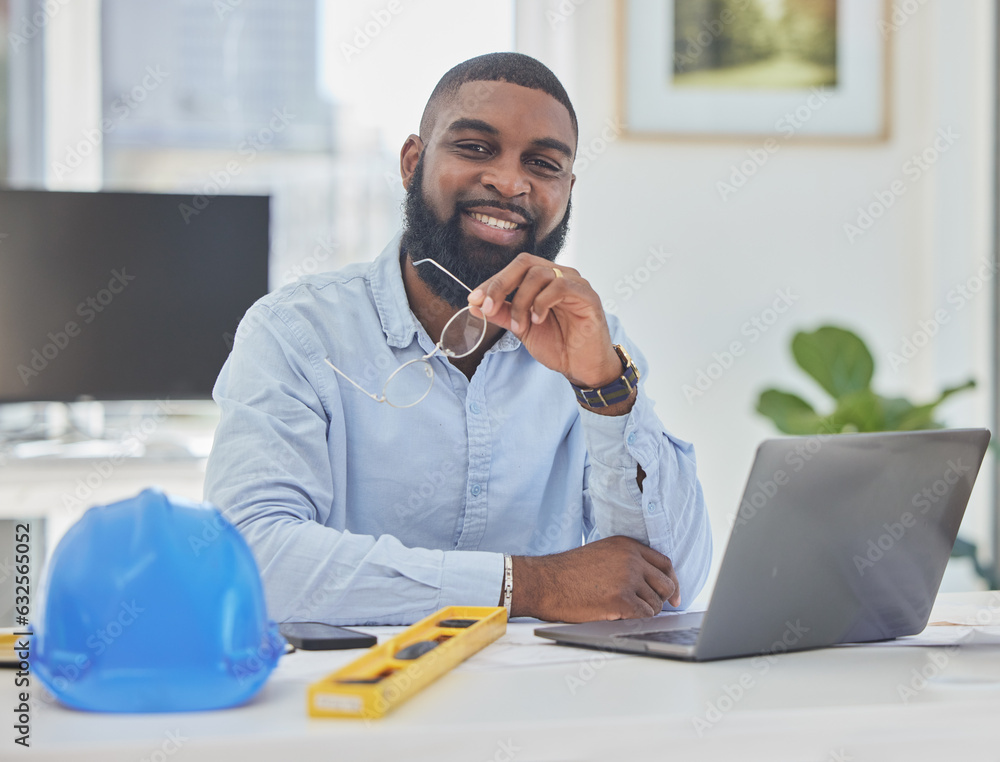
(316, 636)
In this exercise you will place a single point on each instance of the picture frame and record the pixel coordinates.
(672, 84)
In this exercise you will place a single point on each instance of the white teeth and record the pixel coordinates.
(493, 222)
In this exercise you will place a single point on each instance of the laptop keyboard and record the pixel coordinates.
(684, 637)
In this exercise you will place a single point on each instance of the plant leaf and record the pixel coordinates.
(970, 384)
(861, 410)
(790, 413)
(837, 358)
(895, 410)
(922, 416)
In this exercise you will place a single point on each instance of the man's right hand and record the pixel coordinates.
(613, 578)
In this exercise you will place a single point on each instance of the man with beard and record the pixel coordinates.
(387, 453)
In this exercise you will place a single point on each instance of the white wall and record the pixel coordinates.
(784, 230)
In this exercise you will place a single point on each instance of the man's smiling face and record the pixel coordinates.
(493, 179)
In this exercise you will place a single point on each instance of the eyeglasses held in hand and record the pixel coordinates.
(412, 381)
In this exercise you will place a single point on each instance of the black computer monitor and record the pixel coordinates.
(124, 296)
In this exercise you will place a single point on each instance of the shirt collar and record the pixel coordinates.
(398, 321)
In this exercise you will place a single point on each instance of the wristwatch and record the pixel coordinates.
(617, 391)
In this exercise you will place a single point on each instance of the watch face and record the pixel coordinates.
(627, 361)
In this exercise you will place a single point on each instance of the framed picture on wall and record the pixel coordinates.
(802, 69)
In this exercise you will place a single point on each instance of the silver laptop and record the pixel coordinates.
(838, 539)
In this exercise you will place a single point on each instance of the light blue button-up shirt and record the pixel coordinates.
(361, 513)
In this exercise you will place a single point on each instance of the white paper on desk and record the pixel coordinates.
(941, 635)
(967, 613)
(520, 647)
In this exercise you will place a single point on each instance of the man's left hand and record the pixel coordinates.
(556, 314)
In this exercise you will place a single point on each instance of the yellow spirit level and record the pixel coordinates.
(390, 673)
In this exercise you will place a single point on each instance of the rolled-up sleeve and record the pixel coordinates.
(668, 513)
(274, 476)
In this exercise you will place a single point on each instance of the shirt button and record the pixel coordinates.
(474, 407)
(476, 489)
(630, 438)
(651, 508)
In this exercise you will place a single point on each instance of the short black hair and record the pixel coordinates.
(515, 68)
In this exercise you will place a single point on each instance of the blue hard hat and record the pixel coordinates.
(153, 604)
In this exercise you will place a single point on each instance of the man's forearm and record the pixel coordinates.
(613, 578)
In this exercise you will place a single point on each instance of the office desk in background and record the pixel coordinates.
(61, 489)
(521, 700)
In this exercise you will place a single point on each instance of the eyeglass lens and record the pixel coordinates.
(409, 384)
(462, 334)
(412, 381)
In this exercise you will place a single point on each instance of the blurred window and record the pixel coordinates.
(307, 101)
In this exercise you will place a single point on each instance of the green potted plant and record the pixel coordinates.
(840, 362)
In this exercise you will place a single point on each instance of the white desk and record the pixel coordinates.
(829, 705)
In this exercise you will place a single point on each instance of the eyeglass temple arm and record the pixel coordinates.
(442, 268)
(352, 381)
